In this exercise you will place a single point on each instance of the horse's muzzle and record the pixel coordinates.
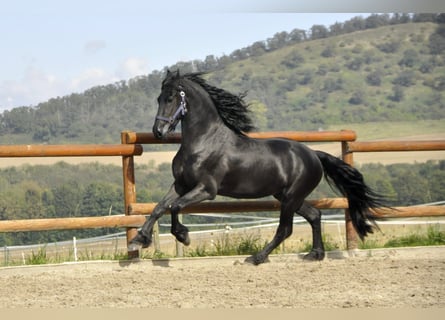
(161, 128)
(157, 132)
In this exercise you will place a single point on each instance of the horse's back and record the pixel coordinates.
(261, 167)
(303, 161)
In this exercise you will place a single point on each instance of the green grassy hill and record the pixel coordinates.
(393, 73)
(383, 74)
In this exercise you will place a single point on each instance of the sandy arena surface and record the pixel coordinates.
(387, 278)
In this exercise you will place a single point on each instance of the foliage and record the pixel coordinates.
(64, 190)
(52, 191)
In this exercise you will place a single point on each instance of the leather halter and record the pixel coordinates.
(180, 111)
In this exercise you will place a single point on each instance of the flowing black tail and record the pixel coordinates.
(349, 181)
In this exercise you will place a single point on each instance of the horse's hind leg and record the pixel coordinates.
(284, 230)
(313, 216)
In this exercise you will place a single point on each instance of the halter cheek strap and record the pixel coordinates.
(180, 111)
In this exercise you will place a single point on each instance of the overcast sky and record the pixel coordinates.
(54, 48)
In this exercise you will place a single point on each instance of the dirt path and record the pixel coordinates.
(378, 278)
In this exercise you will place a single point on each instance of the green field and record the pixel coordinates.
(394, 130)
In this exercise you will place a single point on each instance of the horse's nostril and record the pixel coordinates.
(157, 133)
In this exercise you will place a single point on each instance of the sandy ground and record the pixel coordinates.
(373, 278)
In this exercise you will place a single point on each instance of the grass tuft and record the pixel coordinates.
(433, 237)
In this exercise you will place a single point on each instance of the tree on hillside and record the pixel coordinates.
(336, 29)
(397, 93)
(425, 17)
(354, 24)
(18, 120)
(100, 199)
(374, 78)
(398, 18)
(377, 20)
(297, 35)
(278, 41)
(319, 31)
(405, 78)
(258, 48)
(437, 40)
(410, 58)
(357, 97)
(67, 199)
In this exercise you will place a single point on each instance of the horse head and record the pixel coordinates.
(172, 105)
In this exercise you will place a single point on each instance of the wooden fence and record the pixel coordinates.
(134, 214)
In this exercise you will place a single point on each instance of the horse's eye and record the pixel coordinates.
(170, 99)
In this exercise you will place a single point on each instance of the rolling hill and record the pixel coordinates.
(387, 73)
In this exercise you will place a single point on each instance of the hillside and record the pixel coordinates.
(367, 76)
(393, 72)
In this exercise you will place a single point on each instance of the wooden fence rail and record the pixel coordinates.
(139, 210)
(302, 136)
(88, 150)
(239, 206)
(135, 212)
(71, 223)
(272, 205)
(385, 146)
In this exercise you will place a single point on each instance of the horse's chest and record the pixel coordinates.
(192, 168)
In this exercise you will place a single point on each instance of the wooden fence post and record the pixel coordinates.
(129, 193)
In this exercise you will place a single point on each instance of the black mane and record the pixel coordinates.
(231, 108)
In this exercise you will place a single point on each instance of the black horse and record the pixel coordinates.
(217, 158)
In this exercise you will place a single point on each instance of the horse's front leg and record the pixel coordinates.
(196, 195)
(180, 231)
(144, 236)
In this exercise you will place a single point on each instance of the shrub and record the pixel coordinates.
(374, 78)
(405, 78)
(357, 98)
(389, 47)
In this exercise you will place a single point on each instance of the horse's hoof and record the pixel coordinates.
(141, 240)
(187, 240)
(314, 255)
(256, 260)
(183, 238)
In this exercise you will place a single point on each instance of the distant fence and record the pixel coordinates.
(134, 214)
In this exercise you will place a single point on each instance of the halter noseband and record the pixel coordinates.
(180, 111)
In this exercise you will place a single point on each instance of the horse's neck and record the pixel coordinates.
(204, 127)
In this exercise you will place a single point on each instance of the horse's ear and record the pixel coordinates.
(168, 72)
(177, 73)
